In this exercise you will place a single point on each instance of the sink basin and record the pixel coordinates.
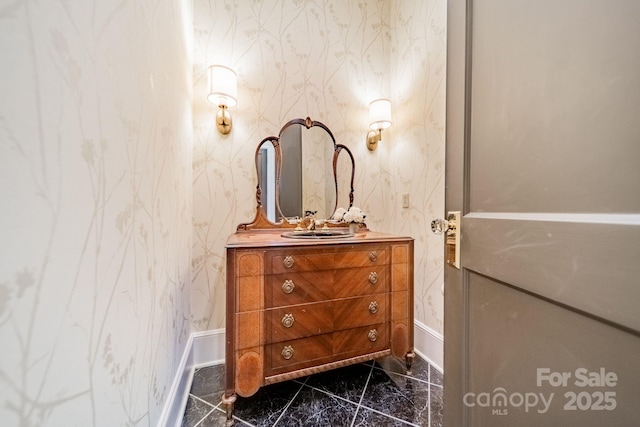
(317, 234)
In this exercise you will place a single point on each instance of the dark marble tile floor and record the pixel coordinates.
(377, 393)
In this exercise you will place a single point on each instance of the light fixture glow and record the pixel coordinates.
(222, 83)
(379, 119)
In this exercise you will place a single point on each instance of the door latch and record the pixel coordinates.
(451, 228)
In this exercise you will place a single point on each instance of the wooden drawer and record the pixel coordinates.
(297, 354)
(353, 342)
(305, 320)
(361, 311)
(362, 256)
(293, 261)
(296, 260)
(298, 288)
(299, 321)
(314, 286)
(305, 352)
(350, 282)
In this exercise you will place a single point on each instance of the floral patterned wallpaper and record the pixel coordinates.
(96, 218)
(118, 193)
(416, 149)
(326, 59)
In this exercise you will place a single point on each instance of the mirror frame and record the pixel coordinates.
(261, 221)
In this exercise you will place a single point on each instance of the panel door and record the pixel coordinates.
(542, 321)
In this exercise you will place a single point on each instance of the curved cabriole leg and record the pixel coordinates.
(409, 360)
(228, 402)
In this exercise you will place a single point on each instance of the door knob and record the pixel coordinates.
(450, 227)
(439, 226)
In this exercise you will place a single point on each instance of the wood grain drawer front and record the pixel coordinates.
(362, 257)
(299, 353)
(296, 260)
(299, 321)
(361, 340)
(350, 282)
(298, 288)
(361, 311)
(306, 352)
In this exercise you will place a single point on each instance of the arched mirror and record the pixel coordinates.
(344, 172)
(302, 170)
(266, 167)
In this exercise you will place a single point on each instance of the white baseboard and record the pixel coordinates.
(202, 349)
(177, 399)
(429, 344)
(207, 348)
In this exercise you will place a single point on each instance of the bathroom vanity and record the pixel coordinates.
(300, 303)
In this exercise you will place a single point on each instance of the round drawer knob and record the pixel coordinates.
(373, 307)
(373, 277)
(373, 335)
(288, 261)
(287, 320)
(288, 286)
(373, 256)
(287, 352)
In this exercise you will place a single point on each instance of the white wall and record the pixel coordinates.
(95, 208)
(416, 156)
(326, 60)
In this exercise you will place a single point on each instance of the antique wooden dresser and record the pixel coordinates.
(296, 307)
(305, 299)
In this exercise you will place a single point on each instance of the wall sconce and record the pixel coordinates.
(223, 92)
(379, 118)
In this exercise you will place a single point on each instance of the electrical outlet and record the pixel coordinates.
(405, 200)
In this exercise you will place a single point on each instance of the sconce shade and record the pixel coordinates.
(222, 85)
(380, 114)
